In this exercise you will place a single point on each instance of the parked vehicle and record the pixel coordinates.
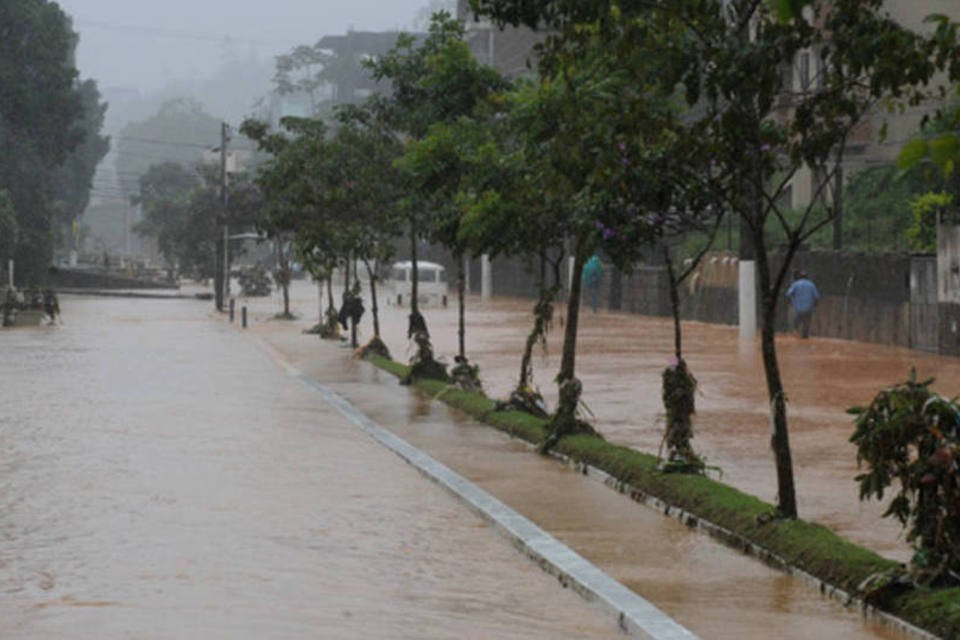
(432, 282)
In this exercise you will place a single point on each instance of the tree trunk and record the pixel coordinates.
(346, 274)
(537, 325)
(374, 309)
(568, 360)
(330, 303)
(461, 319)
(564, 421)
(674, 303)
(417, 323)
(779, 438)
(286, 293)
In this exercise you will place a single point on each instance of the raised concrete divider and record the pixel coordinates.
(634, 615)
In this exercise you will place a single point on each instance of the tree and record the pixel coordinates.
(935, 153)
(565, 126)
(181, 210)
(936, 149)
(291, 181)
(510, 209)
(909, 436)
(165, 191)
(40, 122)
(729, 65)
(361, 194)
(926, 210)
(72, 180)
(430, 84)
(438, 167)
(181, 131)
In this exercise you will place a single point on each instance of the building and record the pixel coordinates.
(510, 51)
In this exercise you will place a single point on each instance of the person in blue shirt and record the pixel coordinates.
(803, 296)
(592, 272)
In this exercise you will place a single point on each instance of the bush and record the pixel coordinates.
(910, 436)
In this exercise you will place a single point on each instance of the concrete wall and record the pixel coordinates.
(866, 297)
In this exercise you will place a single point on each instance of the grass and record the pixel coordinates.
(805, 545)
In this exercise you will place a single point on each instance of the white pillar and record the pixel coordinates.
(570, 273)
(486, 278)
(10, 272)
(748, 299)
(466, 273)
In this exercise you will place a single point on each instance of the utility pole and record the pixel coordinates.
(221, 277)
(838, 209)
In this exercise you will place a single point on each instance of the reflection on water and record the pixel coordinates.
(161, 478)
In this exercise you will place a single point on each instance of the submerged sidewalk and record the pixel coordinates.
(710, 589)
(621, 358)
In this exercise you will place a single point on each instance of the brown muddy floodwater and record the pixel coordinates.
(160, 477)
(712, 590)
(621, 358)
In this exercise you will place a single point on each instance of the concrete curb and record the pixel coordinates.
(635, 616)
(745, 546)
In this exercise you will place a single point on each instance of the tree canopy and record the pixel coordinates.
(47, 118)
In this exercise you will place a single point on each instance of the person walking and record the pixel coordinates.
(803, 296)
(592, 273)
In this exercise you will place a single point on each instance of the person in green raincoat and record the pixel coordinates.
(592, 272)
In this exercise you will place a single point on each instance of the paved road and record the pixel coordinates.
(161, 477)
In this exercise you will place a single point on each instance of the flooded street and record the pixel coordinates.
(620, 360)
(160, 477)
(712, 590)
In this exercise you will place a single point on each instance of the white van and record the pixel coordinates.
(432, 282)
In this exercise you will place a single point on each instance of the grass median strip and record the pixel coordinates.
(807, 546)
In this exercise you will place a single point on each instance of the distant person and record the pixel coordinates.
(803, 296)
(51, 306)
(592, 272)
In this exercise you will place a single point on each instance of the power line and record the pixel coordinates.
(208, 147)
(178, 34)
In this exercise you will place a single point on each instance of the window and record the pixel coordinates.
(427, 275)
(399, 274)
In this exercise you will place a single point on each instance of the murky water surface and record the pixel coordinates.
(160, 477)
(620, 360)
(714, 591)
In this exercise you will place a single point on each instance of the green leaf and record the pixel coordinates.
(944, 148)
(912, 153)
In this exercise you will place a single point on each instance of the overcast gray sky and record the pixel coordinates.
(145, 44)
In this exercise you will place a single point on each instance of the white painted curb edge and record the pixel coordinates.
(635, 615)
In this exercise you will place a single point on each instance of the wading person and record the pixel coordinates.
(592, 272)
(803, 296)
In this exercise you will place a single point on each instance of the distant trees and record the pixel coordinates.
(46, 115)
(181, 208)
(180, 131)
